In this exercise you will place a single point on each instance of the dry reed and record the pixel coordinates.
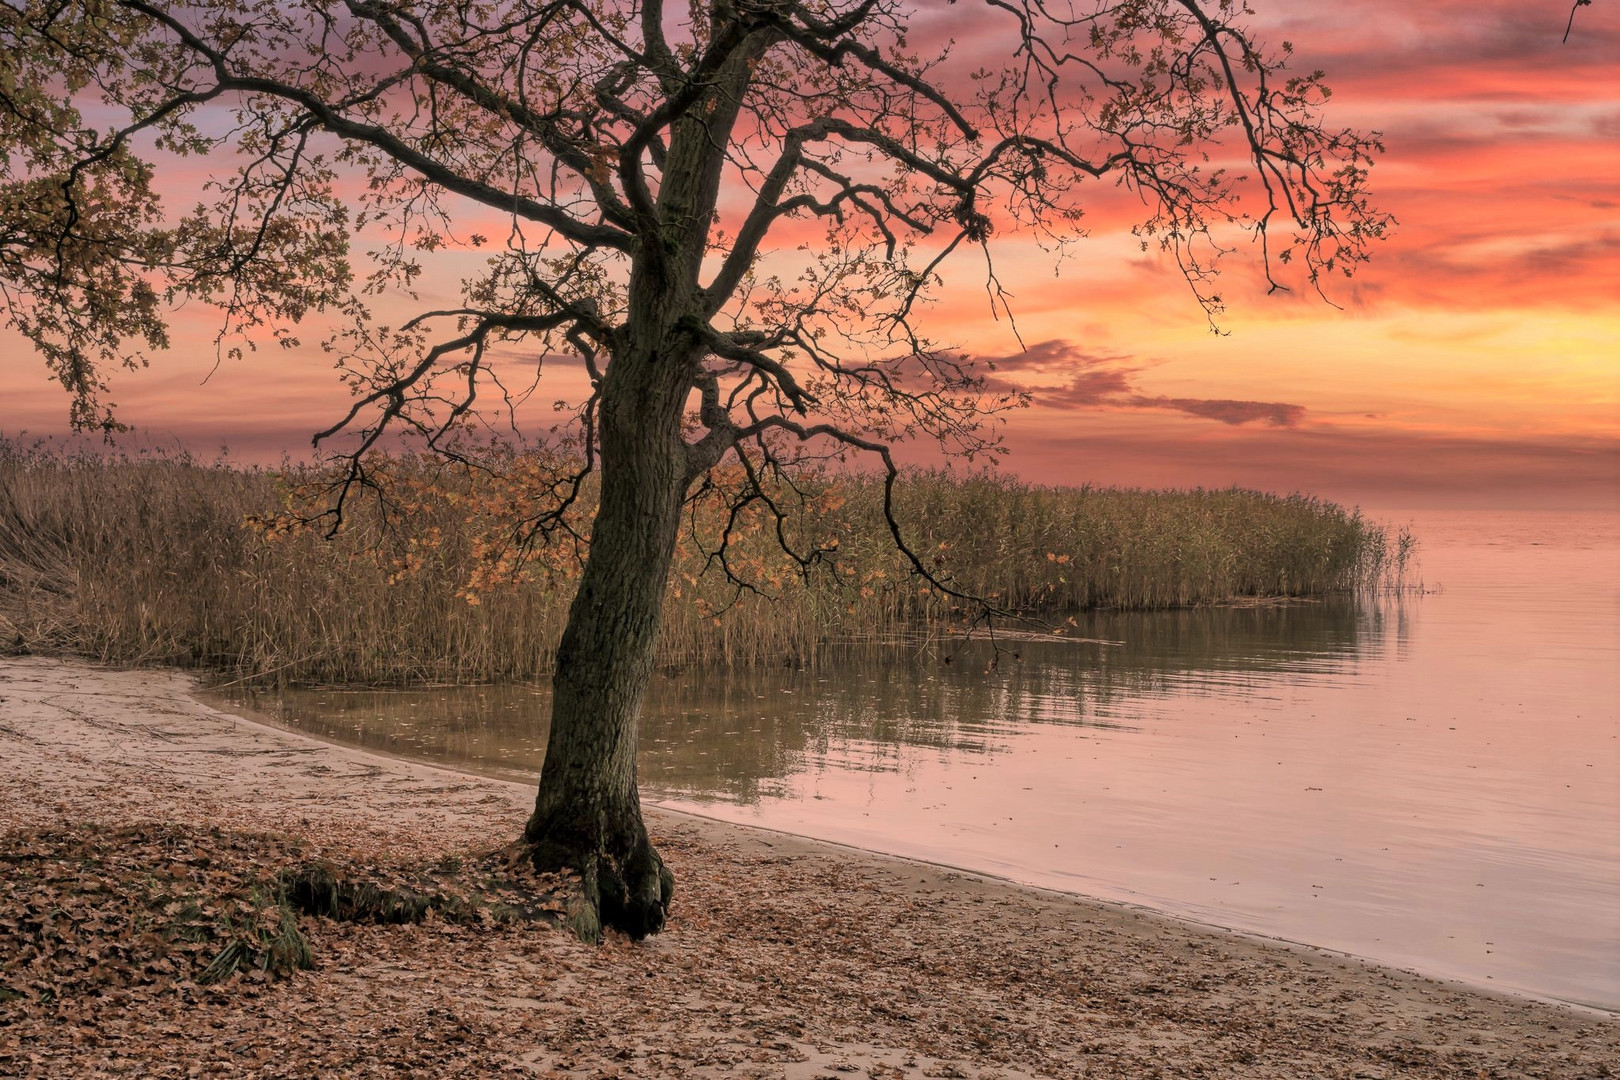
(167, 559)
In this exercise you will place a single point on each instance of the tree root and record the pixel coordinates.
(317, 889)
(493, 890)
(631, 893)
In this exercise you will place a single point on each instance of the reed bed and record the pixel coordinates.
(165, 558)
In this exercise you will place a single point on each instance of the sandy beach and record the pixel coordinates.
(785, 957)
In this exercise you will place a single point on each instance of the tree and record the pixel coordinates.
(644, 165)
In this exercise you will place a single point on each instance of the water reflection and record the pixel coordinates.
(735, 736)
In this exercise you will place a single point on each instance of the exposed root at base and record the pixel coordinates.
(318, 889)
(630, 893)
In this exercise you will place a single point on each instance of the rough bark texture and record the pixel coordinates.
(587, 814)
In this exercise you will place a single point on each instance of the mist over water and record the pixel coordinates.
(1428, 780)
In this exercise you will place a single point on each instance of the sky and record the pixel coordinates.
(1474, 363)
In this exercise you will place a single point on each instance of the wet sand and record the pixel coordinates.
(785, 957)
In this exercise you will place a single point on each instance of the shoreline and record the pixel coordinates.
(652, 806)
(1276, 941)
(786, 956)
(1480, 983)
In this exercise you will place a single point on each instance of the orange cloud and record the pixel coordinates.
(1477, 359)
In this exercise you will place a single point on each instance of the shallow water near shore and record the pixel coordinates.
(1432, 781)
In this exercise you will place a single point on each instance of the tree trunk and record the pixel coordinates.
(587, 815)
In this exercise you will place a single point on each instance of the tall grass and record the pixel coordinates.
(170, 559)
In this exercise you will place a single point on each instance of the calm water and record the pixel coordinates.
(1432, 781)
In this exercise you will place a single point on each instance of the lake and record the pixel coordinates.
(1432, 781)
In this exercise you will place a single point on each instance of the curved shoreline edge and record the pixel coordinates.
(795, 955)
(217, 702)
(1274, 941)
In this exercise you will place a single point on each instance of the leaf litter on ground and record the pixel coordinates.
(161, 907)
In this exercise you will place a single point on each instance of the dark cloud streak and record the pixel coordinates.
(1103, 381)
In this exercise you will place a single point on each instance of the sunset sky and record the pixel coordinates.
(1475, 362)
